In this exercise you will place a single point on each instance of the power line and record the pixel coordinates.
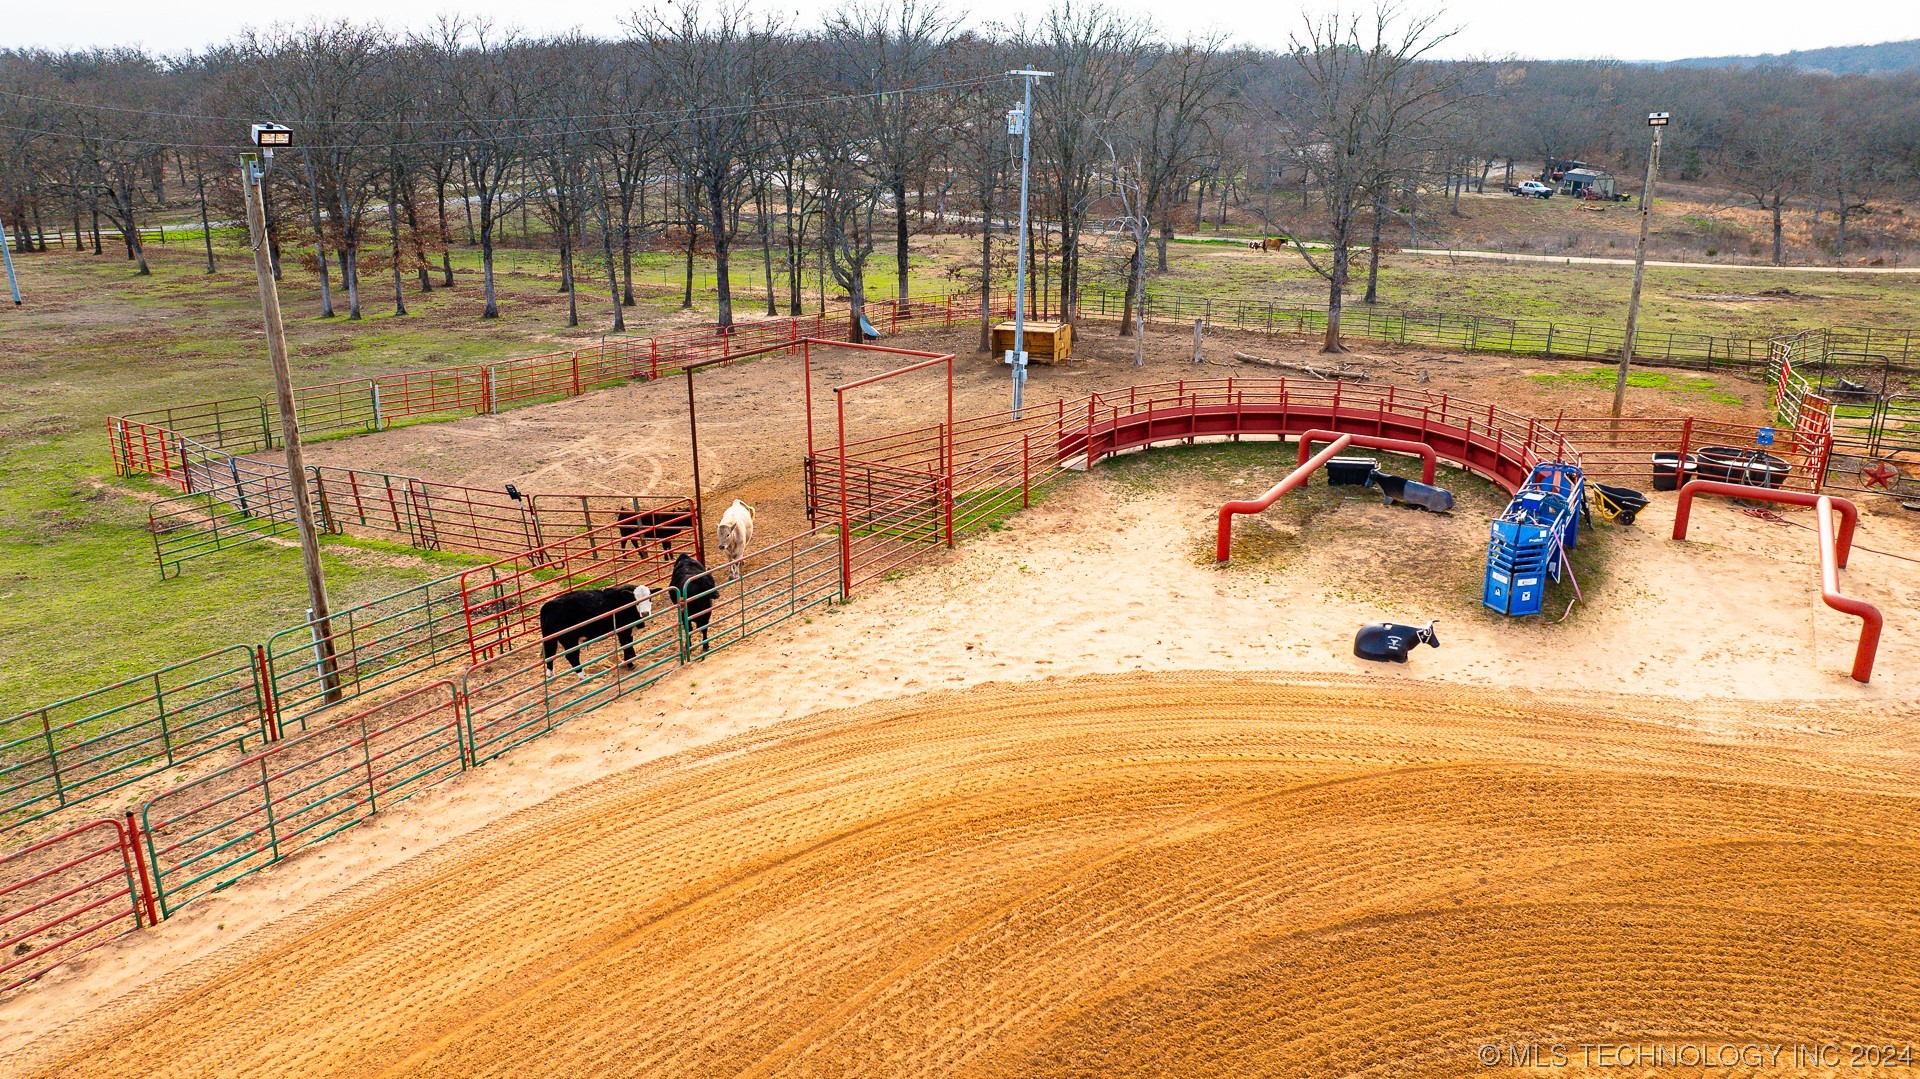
(644, 119)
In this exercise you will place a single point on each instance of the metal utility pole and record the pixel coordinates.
(1020, 122)
(12, 281)
(253, 169)
(1658, 122)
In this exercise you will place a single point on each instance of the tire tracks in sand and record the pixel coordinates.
(1193, 873)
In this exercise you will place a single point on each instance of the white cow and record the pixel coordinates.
(735, 533)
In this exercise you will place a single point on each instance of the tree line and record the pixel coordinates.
(776, 149)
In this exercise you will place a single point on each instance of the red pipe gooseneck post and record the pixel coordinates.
(1429, 459)
(1868, 614)
(1833, 553)
(846, 534)
(1849, 513)
(1297, 477)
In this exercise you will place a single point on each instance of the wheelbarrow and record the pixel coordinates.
(1618, 504)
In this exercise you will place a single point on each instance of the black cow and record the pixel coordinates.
(1384, 641)
(640, 527)
(693, 586)
(571, 619)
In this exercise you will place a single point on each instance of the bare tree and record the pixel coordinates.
(792, 168)
(1185, 93)
(1129, 180)
(328, 76)
(851, 188)
(1094, 52)
(112, 141)
(1860, 155)
(630, 147)
(560, 154)
(878, 48)
(1770, 159)
(489, 81)
(980, 154)
(438, 154)
(1359, 87)
(718, 71)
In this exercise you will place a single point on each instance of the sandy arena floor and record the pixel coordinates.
(1195, 855)
(1072, 801)
(1193, 874)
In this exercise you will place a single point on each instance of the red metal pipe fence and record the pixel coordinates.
(1683, 509)
(1831, 560)
(1621, 449)
(1223, 530)
(1497, 444)
(1833, 550)
(895, 493)
(141, 441)
(232, 501)
(67, 894)
(1429, 460)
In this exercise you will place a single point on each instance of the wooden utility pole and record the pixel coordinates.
(693, 439)
(1657, 121)
(321, 618)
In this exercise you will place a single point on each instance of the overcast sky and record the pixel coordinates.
(1622, 29)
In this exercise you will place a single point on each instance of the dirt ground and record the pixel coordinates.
(1021, 877)
(752, 417)
(1070, 800)
(1192, 874)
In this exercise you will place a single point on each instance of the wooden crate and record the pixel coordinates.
(1047, 342)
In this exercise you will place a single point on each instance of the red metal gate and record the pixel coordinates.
(68, 894)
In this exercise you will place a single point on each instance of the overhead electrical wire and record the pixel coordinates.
(643, 120)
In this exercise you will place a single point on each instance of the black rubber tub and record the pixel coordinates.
(1350, 471)
(1667, 470)
(1731, 464)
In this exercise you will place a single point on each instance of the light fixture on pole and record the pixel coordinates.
(253, 170)
(1020, 122)
(1658, 122)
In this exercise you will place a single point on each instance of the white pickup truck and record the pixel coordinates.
(1532, 189)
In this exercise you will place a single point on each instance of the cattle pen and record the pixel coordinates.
(441, 681)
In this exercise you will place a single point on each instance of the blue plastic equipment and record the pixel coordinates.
(1528, 544)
